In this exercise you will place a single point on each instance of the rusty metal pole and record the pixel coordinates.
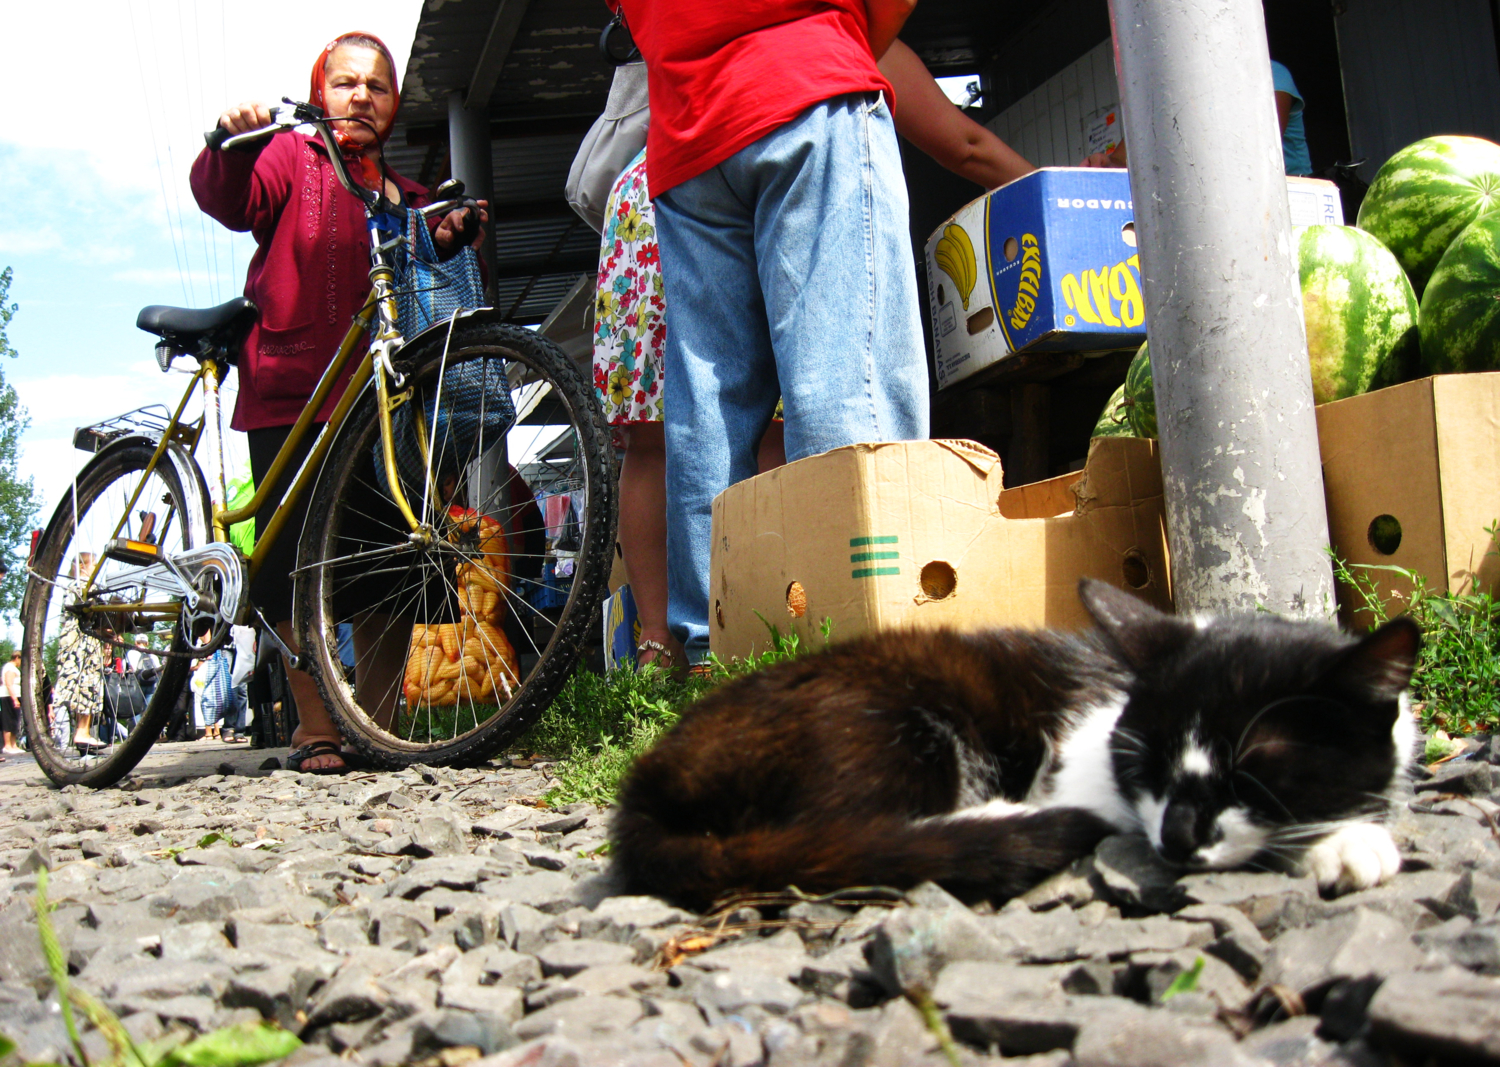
(1246, 519)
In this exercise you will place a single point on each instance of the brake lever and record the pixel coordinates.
(472, 223)
(287, 115)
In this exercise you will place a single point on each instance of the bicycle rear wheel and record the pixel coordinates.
(69, 638)
(441, 651)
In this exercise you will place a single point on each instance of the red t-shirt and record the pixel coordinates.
(724, 73)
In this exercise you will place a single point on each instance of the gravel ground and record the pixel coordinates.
(441, 916)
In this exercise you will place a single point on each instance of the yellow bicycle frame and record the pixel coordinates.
(386, 340)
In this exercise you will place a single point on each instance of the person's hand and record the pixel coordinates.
(1115, 158)
(243, 118)
(459, 227)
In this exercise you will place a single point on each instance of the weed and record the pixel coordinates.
(599, 724)
(232, 1046)
(1457, 680)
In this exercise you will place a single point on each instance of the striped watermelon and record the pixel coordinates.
(1426, 193)
(1114, 420)
(1460, 318)
(1140, 397)
(1359, 309)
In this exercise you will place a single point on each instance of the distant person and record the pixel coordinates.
(1289, 109)
(10, 703)
(1294, 155)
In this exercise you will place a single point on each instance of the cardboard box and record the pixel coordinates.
(1314, 202)
(1047, 263)
(920, 533)
(1412, 477)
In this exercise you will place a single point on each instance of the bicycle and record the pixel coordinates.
(421, 534)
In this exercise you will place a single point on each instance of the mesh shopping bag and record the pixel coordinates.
(476, 407)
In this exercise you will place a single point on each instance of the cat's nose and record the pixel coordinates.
(1179, 838)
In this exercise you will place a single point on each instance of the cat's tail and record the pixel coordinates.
(992, 857)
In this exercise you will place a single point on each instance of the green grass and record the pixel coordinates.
(1457, 680)
(598, 725)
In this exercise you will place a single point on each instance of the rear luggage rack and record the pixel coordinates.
(151, 420)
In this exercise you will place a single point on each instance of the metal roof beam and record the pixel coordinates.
(497, 45)
(506, 130)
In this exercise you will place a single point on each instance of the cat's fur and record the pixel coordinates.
(986, 761)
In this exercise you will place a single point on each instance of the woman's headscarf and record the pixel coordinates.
(363, 167)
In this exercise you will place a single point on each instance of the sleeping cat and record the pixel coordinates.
(987, 761)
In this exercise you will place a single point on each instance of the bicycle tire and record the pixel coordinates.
(80, 524)
(409, 725)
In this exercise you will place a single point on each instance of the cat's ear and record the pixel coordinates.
(1382, 663)
(1135, 628)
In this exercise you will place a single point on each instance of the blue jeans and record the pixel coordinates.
(788, 272)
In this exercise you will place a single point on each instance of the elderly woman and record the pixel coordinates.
(309, 276)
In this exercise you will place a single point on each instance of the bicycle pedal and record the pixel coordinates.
(126, 550)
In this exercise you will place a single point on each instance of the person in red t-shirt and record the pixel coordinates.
(781, 213)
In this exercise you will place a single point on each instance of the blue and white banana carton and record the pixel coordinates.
(1048, 263)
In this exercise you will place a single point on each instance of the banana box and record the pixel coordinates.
(1046, 263)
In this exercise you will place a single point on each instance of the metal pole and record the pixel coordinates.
(1246, 518)
(469, 153)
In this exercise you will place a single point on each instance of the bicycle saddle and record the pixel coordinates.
(186, 328)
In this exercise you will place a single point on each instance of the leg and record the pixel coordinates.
(380, 661)
(772, 452)
(720, 378)
(835, 262)
(313, 723)
(643, 531)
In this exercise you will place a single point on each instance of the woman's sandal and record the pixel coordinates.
(663, 659)
(314, 749)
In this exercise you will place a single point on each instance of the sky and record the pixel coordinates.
(103, 104)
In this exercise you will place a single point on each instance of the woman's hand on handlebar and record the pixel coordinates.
(246, 118)
(462, 226)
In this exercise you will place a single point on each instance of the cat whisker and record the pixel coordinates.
(1266, 790)
(1295, 699)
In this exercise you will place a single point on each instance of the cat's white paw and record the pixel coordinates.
(1357, 856)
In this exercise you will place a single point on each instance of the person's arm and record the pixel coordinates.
(1284, 102)
(928, 119)
(245, 188)
(885, 18)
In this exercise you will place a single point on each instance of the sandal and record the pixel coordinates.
(313, 749)
(664, 658)
(232, 737)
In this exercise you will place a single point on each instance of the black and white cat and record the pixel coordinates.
(987, 761)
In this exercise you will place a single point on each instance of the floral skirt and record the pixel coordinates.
(630, 327)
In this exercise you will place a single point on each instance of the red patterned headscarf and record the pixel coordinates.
(363, 167)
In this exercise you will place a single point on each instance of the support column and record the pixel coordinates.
(469, 153)
(1246, 518)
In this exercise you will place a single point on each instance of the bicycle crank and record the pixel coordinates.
(209, 580)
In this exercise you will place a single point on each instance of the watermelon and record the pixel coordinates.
(1114, 420)
(1460, 320)
(1140, 399)
(1425, 194)
(1359, 309)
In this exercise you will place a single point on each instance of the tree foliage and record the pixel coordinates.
(18, 503)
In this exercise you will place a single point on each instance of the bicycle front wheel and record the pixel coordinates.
(86, 724)
(441, 647)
